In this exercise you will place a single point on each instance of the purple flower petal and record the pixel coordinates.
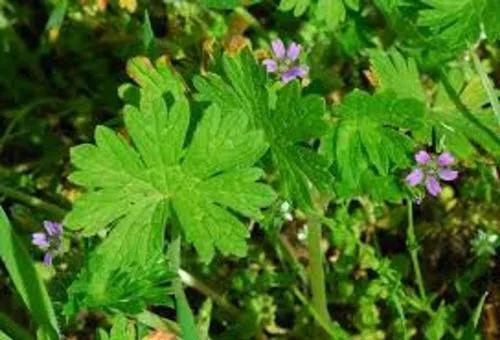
(294, 72)
(47, 259)
(278, 48)
(40, 240)
(271, 65)
(53, 228)
(422, 157)
(293, 51)
(432, 185)
(446, 159)
(415, 177)
(447, 174)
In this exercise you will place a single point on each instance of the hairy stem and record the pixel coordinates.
(487, 85)
(412, 245)
(316, 272)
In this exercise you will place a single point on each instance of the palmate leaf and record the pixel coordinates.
(288, 122)
(140, 186)
(458, 23)
(460, 131)
(395, 73)
(369, 142)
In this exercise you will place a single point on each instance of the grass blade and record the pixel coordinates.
(26, 280)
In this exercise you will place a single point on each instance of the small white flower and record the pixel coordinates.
(302, 233)
(285, 209)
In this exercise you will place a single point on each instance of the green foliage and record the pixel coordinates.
(27, 281)
(330, 13)
(458, 23)
(457, 116)
(395, 73)
(129, 289)
(122, 329)
(436, 328)
(369, 142)
(184, 172)
(195, 183)
(288, 119)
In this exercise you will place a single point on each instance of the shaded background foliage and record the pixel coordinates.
(61, 63)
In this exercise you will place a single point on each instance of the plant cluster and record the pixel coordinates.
(243, 185)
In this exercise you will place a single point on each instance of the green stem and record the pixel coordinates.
(331, 328)
(487, 85)
(316, 272)
(413, 249)
(32, 201)
(203, 288)
(184, 314)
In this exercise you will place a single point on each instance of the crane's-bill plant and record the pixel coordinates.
(296, 169)
(155, 177)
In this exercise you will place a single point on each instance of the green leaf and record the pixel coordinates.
(331, 12)
(129, 289)
(457, 115)
(352, 4)
(369, 141)
(122, 329)
(128, 185)
(457, 24)
(436, 327)
(57, 15)
(459, 120)
(395, 73)
(148, 37)
(289, 122)
(221, 4)
(25, 278)
(4, 336)
(298, 6)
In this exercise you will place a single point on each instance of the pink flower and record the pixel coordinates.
(50, 241)
(430, 169)
(285, 60)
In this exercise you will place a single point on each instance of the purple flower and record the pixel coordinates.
(285, 61)
(430, 169)
(50, 241)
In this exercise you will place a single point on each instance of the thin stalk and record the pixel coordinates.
(32, 201)
(316, 272)
(324, 323)
(184, 314)
(195, 283)
(487, 85)
(413, 249)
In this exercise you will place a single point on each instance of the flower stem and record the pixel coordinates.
(412, 245)
(487, 85)
(316, 272)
